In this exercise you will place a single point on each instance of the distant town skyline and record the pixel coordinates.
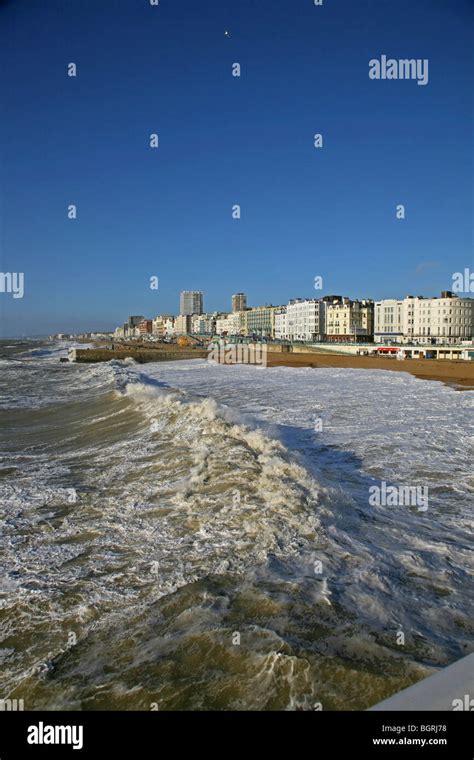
(444, 319)
(240, 298)
(131, 150)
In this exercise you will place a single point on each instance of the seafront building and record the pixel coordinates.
(281, 324)
(447, 320)
(204, 324)
(415, 319)
(349, 321)
(389, 321)
(305, 319)
(224, 325)
(170, 328)
(230, 324)
(162, 324)
(134, 321)
(182, 324)
(259, 321)
(190, 302)
(145, 327)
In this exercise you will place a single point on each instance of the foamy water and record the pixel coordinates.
(184, 534)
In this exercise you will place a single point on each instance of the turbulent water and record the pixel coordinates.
(185, 535)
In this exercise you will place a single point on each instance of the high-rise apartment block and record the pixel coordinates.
(239, 302)
(191, 302)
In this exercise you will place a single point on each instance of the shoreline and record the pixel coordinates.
(457, 374)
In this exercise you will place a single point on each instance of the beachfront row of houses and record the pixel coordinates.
(447, 319)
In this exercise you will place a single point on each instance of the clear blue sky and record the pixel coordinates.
(226, 140)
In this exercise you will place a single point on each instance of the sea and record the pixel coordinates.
(194, 536)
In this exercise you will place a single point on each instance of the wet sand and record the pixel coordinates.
(456, 373)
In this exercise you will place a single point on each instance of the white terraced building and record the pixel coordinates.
(229, 324)
(305, 319)
(203, 324)
(389, 321)
(169, 327)
(445, 320)
(281, 328)
(161, 324)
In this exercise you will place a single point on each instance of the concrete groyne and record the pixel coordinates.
(91, 355)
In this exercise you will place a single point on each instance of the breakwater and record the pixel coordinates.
(89, 355)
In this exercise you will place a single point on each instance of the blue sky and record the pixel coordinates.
(224, 141)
